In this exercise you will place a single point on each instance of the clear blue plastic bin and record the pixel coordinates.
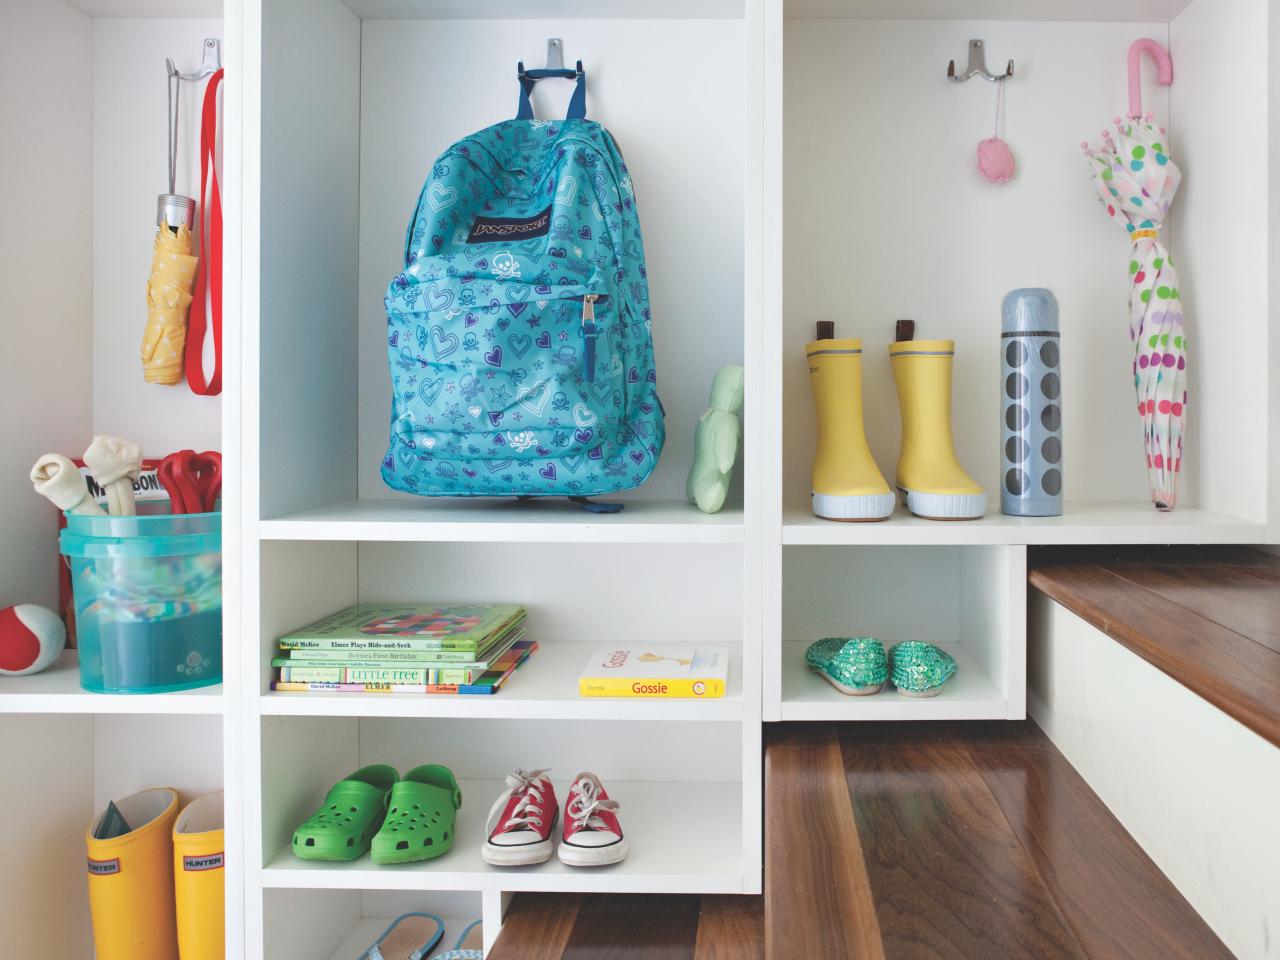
(148, 600)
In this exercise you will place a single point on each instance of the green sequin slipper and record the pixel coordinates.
(420, 823)
(856, 666)
(920, 669)
(352, 813)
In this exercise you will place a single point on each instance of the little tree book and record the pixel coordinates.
(656, 671)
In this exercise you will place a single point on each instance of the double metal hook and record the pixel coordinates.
(977, 66)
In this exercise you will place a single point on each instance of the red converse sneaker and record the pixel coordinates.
(592, 835)
(521, 821)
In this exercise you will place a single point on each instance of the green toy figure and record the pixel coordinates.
(715, 441)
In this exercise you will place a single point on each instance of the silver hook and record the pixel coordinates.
(211, 63)
(555, 54)
(977, 66)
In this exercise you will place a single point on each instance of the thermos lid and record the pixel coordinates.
(1029, 310)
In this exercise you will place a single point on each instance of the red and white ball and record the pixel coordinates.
(31, 638)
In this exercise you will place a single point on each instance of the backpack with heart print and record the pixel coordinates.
(519, 331)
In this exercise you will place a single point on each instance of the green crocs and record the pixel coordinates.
(920, 669)
(352, 813)
(856, 666)
(420, 823)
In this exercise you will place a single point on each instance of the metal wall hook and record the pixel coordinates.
(555, 53)
(211, 63)
(173, 208)
(977, 66)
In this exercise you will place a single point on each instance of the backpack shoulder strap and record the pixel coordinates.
(577, 105)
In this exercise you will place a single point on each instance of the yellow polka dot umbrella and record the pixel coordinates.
(173, 270)
(1136, 182)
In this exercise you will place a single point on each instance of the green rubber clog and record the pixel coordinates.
(853, 665)
(353, 811)
(420, 822)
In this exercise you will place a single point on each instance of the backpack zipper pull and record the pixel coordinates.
(589, 334)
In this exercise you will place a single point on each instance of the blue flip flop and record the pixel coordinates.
(409, 937)
(460, 952)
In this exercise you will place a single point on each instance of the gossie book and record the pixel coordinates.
(656, 671)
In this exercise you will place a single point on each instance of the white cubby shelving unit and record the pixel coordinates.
(333, 167)
(795, 160)
(84, 128)
(886, 217)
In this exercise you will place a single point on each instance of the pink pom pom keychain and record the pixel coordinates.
(995, 159)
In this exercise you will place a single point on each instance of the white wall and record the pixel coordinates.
(1220, 243)
(887, 217)
(309, 192)
(130, 168)
(51, 760)
(673, 98)
(46, 59)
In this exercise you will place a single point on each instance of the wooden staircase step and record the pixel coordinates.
(1207, 617)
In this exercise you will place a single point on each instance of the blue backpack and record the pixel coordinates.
(519, 332)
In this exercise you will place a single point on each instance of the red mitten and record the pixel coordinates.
(31, 638)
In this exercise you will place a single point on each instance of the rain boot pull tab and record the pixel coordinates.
(905, 330)
(826, 330)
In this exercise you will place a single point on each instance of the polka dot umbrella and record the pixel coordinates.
(1136, 182)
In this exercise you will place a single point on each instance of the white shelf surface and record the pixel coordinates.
(545, 687)
(58, 690)
(1118, 11)
(968, 695)
(682, 838)
(364, 932)
(557, 9)
(1081, 523)
(550, 520)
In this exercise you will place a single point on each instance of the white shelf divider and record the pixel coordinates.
(554, 520)
(546, 687)
(683, 837)
(58, 690)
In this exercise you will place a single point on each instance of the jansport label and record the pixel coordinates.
(485, 229)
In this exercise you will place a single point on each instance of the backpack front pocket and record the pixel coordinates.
(499, 388)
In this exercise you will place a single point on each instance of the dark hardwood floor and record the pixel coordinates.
(544, 926)
(960, 840)
(897, 841)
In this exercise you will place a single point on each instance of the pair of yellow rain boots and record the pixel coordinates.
(156, 890)
(847, 484)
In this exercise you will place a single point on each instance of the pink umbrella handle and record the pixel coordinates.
(1164, 71)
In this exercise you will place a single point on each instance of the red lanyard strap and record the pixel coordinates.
(210, 230)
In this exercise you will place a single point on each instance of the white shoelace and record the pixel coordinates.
(527, 813)
(586, 800)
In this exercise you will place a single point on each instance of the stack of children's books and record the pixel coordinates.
(406, 648)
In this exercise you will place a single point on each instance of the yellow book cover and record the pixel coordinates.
(658, 671)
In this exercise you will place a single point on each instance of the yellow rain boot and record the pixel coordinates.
(198, 860)
(930, 479)
(847, 484)
(131, 879)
